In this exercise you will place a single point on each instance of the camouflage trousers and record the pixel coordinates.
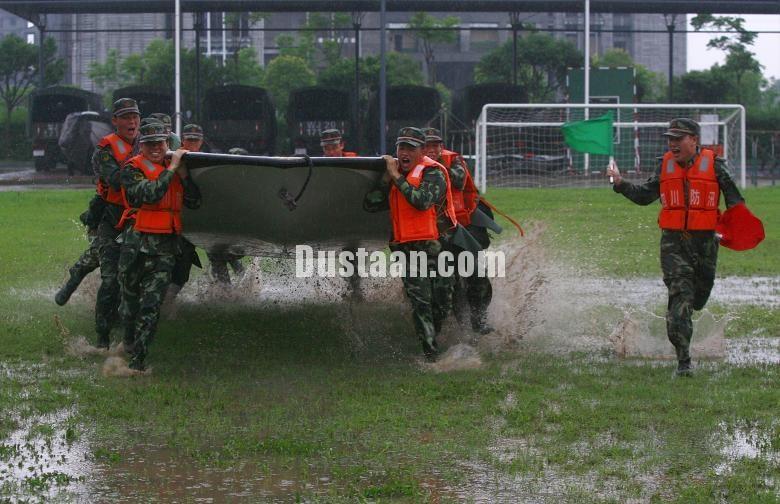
(184, 262)
(430, 296)
(219, 266)
(86, 264)
(108, 293)
(144, 279)
(688, 262)
(473, 293)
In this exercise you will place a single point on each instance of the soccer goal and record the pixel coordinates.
(521, 145)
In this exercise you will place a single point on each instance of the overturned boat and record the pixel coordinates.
(265, 206)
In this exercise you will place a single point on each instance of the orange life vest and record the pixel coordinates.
(122, 151)
(348, 154)
(464, 200)
(689, 198)
(164, 216)
(409, 223)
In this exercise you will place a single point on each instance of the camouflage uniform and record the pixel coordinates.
(174, 142)
(107, 170)
(90, 258)
(220, 261)
(477, 290)
(688, 258)
(188, 256)
(147, 260)
(431, 297)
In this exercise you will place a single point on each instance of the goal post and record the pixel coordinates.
(521, 145)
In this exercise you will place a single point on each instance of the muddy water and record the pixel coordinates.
(45, 459)
(153, 471)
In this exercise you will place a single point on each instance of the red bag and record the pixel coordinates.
(739, 228)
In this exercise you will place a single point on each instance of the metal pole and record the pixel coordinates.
(382, 76)
(177, 55)
(356, 103)
(514, 54)
(587, 73)
(41, 58)
(670, 27)
(198, 28)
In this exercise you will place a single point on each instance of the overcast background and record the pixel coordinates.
(766, 48)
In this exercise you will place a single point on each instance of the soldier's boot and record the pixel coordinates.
(684, 368)
(168, 308)
(479, 323)
(103, 341)
(430, 349)
(67, 290)
(128, 340)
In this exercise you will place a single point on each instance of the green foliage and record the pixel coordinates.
(243, 68)
(20, 146)
(284, 74)
(650, 86)
(430, 31)
(740, 62)
(401, 70)
(19, 72)
(542, 61)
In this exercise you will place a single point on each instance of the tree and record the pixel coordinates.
(284, 74)
(19, 72)
(649, 85)
(739, 60)
(541, 65)
(244, 68)
(401, 69)
(430, 31)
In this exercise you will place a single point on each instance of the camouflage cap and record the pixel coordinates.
(238, 151)
(192, 132)
(153, 132)
(410, 136)
(163, 118)
(124, 106)
(330, 137)
(150, 120)
(432, 135)
(681, 127)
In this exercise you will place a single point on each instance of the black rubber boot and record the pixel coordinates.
(684, 368)
(67, 290)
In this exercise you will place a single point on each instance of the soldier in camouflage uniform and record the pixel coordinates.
(476, 289)
(90, 258)
(220, 261)
(192, 141)
(107, 161)
(430, 296)
(155, 190)
(689, 253)
(174, 142)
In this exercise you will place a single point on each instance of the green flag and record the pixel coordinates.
(593, 136)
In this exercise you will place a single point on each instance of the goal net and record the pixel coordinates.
(521, 145)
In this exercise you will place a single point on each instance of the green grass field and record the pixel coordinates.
(279, 397)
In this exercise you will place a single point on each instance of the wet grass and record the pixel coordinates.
(601, 230)
(287, 389)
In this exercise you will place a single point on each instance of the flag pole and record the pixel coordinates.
(587, 74)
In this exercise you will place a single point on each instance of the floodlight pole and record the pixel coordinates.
(41, 57)
(382, 77)
(357, 18)
(587, 73)
(198, 30)
(514, 20)
(177, 64)
(670, 19)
